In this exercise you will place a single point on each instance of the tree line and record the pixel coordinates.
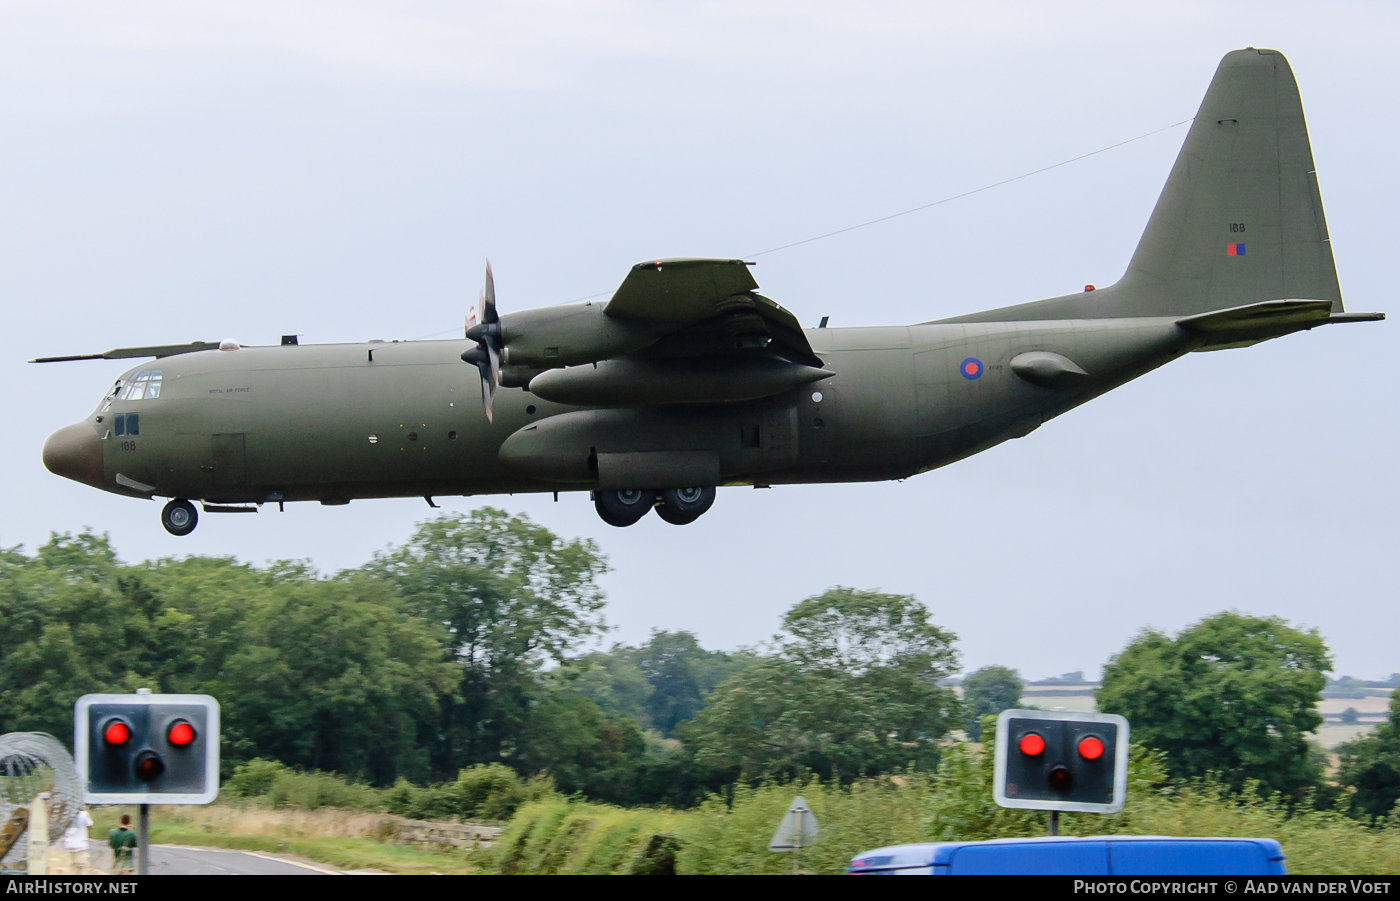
(466, 646)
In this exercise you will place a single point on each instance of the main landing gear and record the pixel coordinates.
(179, 517)
(678, 506)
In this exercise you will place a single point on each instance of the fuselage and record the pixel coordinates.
(1236, 251)
(337, 422)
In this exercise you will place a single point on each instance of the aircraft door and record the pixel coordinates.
(229, 458)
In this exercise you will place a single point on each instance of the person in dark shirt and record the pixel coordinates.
(122, 841)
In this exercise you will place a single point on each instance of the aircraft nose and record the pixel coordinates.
(75, 452)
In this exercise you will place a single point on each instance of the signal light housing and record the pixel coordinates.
(1057, 760)
(147, 748)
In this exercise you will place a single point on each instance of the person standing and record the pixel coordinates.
(75, 841)
(122, 842)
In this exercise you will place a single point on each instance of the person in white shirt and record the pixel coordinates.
(75, 841)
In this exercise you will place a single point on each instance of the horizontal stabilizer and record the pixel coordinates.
(133, 353)
(1255, 322)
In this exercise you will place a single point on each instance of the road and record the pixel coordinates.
(179, 860)
(182, 860)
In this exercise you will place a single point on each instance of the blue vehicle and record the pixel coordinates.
(1107, 855)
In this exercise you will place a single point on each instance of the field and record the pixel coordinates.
(1372, 709)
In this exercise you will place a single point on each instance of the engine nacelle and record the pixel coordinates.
(641, 382)
(568, 335)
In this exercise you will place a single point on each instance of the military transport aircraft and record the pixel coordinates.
(688, 378)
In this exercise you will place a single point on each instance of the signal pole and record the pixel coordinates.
(143, 841)
(1054, 822)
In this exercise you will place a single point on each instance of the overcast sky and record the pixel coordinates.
(180, 171)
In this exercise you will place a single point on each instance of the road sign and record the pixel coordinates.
(798, 828)
(1056, 760)
(147, 748)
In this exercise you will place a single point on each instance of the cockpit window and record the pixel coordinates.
(146, 384)
(111, 396)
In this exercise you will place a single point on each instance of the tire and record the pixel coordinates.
(179, 517)
(682, 506)
(624, 507)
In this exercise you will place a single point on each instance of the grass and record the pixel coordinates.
(562, 836)
(348, 840)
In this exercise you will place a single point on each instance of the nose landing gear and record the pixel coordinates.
(179, 517)
(678, 506)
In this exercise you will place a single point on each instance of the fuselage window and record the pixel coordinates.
(119, 426)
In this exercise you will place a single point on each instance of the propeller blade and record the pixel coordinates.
(488, 394)
(494, 356)
(488, 297)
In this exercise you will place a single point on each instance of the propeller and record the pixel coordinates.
(486, 356)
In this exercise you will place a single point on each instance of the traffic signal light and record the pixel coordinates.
(1057, 760)
(147, 748)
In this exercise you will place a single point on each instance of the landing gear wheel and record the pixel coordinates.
(682, 506)
(624, 507)
(179, 517)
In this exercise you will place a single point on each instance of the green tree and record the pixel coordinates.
(661, 683)
(1233, 694)
(319, 674)
(989, 690)
(507, 595)
(585, 751)
(611, 680)
(1370, 767)
(854, 690)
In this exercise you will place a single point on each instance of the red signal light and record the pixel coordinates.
(181, 734)
(1032, 744)
(116, 733)
(1091, 748)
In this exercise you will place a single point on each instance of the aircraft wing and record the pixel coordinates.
(708, 308)
(133, 353)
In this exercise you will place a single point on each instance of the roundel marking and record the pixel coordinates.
(971, 368)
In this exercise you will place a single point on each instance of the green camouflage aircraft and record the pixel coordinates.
(688, 378)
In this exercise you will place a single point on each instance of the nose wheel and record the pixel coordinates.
(179, 517)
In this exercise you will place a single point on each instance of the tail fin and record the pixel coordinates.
(1240, 219)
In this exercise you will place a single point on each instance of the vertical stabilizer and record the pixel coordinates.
(1240, 220)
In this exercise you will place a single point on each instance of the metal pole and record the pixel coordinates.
(143, 841)
(797, 847)
(1054, 822)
